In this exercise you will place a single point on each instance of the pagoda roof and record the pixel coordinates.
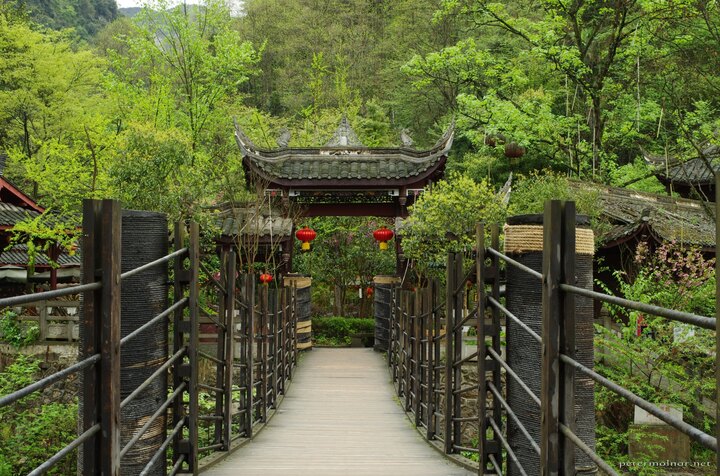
(692, 171)
(345, 165)
(631, 213)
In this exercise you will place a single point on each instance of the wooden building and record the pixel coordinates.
(693, 178)
(629, 217)
(16, 206)
(344, 177)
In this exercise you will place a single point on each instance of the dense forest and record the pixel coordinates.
(97, 104)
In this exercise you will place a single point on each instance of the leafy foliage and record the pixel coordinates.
(41, 234)
(31, 429)
(444, 218)
(660, 360)
(86, 17)
(16, 333)
(338, 331)
(345, 257)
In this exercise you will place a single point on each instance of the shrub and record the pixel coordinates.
(339, 330)
(31, 430)
(658, 359)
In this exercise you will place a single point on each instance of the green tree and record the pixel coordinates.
(660, 360)
(52, 115)
(176, 79)
(444, 219)
(345, 257)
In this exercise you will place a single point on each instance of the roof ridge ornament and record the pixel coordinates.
(344, 136)
(405, 138)
(244, 143)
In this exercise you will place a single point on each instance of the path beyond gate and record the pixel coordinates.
(339, 417)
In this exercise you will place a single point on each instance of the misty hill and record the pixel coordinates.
(129, 11)
(87, 17)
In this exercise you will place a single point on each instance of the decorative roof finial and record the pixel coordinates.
(284, 139)
(344, 136)
(407, 141)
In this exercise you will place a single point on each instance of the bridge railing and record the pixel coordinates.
(256, 354)
(427, 356)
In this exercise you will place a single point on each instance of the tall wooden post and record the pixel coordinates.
(551, 318)
(449, 325)
(250, 340)
(193, 343)
(496, 326)
(567, 338)
(220, 348)
(459, 297)
(481, 348)
(180, 329)
(229, 346)
(101, 322)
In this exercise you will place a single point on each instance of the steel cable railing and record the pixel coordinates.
(430, 387)
(265, 318)
(696, 434)
(88, 361)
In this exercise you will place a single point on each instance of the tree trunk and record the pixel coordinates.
(597, 132)
(339, 301)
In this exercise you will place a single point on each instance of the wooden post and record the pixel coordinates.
(457, 349)
(101, 321)
(567, 338)
(422, 356)
(407, 349)
(229, 347)
(42, 308)
(394, 344)
(220, 348)
(449, 324)
(250, 330)
(496, 330)
(90, 343)
(263, 352)
(417, 362)
(284, 338)
(179, 331)
(193, 343)
(110, 338)
(272, 344)
(481, 348)
(432, 330)
(551, 319)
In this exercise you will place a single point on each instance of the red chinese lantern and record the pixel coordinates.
(265, 278)
(369, 291)
(305, 235)
(514, 150)
(383, 235)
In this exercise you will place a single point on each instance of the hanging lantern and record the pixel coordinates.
(383, 235)
(369, 291)
(265, 278)
(514, 150)
(305, 235)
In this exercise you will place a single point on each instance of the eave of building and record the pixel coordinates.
(342, 184)
(23, 199)
(339, 168)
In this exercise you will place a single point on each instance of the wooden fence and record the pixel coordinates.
(429, 367)
(252, 362)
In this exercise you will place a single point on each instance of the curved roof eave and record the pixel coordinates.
(248, 148)
(347, 182)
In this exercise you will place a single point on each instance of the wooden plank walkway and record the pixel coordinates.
(340, 417)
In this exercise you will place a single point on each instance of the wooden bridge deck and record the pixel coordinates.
(340, 417)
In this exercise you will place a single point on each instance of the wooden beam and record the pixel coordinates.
(551, 317)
